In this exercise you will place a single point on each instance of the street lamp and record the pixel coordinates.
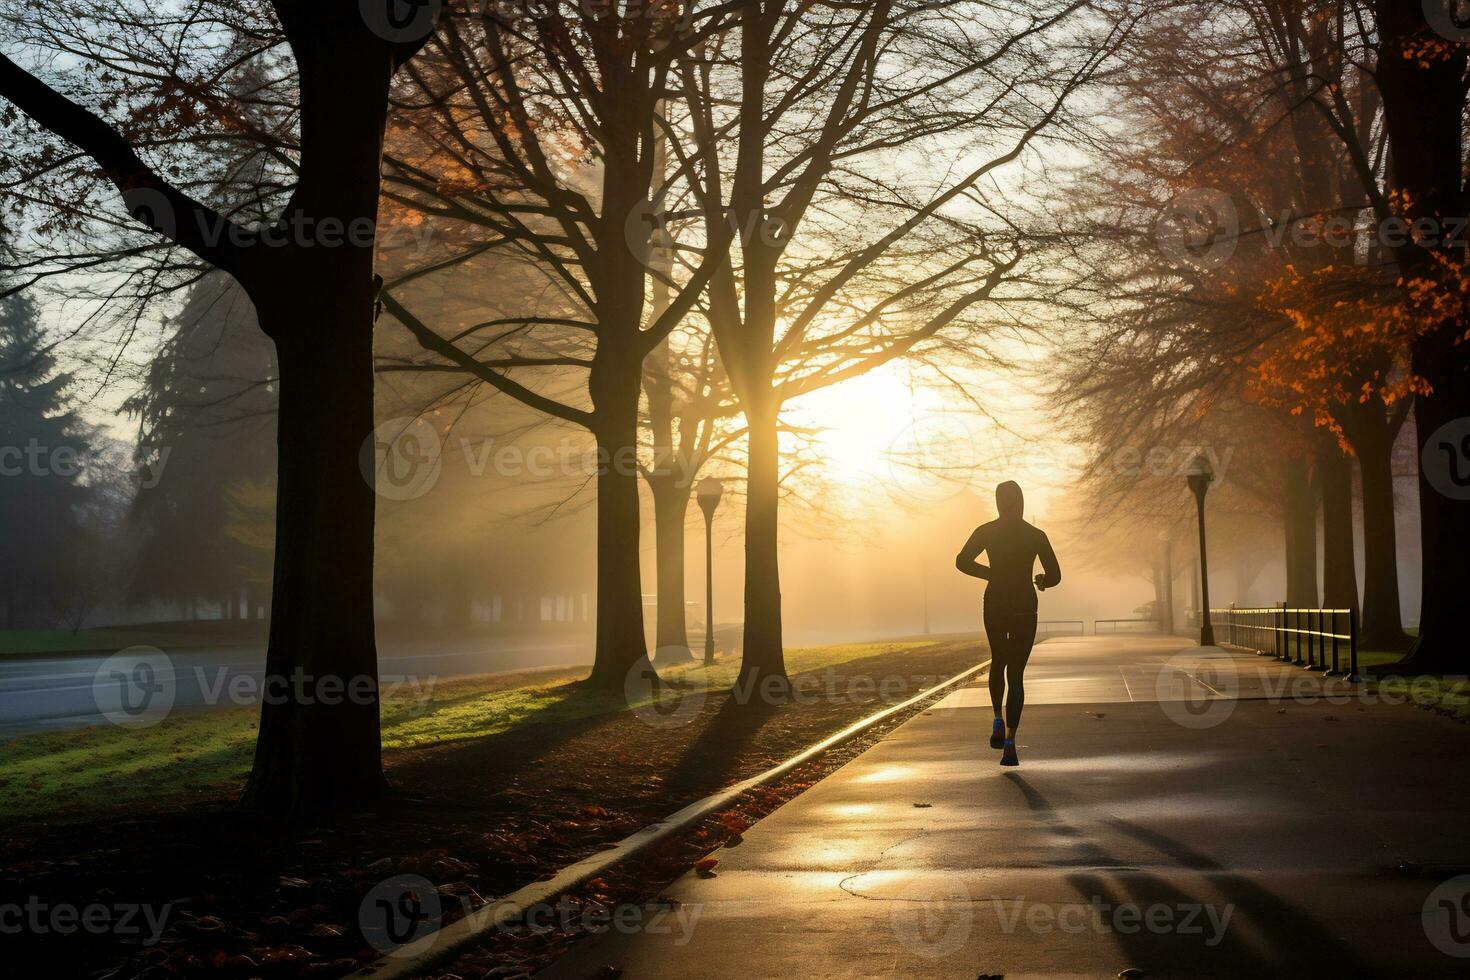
(1200, 474)
(708, 493)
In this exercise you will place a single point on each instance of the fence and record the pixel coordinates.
(1145, 625)
(1061, 627)
(1305, 637)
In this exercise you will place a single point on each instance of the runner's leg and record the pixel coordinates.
(997, 632)
(1022, 634)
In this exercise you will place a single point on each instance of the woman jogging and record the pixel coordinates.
(1012, 546)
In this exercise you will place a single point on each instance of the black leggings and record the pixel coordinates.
(1011, 637)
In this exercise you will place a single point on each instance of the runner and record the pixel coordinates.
(1012, 546)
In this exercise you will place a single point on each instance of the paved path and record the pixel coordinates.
(1156, 822)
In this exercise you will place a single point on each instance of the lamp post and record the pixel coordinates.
(1200, 474)
(708, 493)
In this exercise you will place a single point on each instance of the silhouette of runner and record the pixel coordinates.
(1010, 604)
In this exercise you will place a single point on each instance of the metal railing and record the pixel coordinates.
(1147, 624)
(1315, 639)
(1061, 627)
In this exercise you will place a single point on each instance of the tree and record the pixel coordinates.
(1421, 76)
(207, 417)
(838, 268)
(44, 446)
(308, 270)
(535, 133)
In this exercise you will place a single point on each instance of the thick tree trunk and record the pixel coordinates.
(319, 746)
(763, 663)
(1444, 505)
(1382, 626)
(1424, 110)
(670, 508)
(621, 646)
(1339, 570)
(1300, 520)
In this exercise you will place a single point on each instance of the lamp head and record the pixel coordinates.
(1200, 474)
(708, 492)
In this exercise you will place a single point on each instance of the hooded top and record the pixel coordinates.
(1012, 546)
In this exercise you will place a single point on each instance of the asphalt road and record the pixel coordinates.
(44, 693)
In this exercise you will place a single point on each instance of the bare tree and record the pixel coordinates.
(308, 269)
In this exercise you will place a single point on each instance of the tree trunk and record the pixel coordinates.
(1339, 557)
(319, 746)
(670, 508)
(621, 646)
(1444, 505)
(1301, 537)
(1382, 626)
(1423, 112)
(763, 664)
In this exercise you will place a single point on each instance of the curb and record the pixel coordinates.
(422, 954)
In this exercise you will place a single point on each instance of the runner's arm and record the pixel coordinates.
(1053, 572)
(965, 560)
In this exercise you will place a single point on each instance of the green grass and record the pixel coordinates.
(18, 642)
(1447, 695)
(205, 752)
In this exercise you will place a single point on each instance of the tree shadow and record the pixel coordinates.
(1279, 938)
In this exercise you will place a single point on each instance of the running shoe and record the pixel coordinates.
(1008, 757)
(997, 734)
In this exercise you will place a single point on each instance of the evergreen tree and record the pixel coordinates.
(206, 427)
(44, 447)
